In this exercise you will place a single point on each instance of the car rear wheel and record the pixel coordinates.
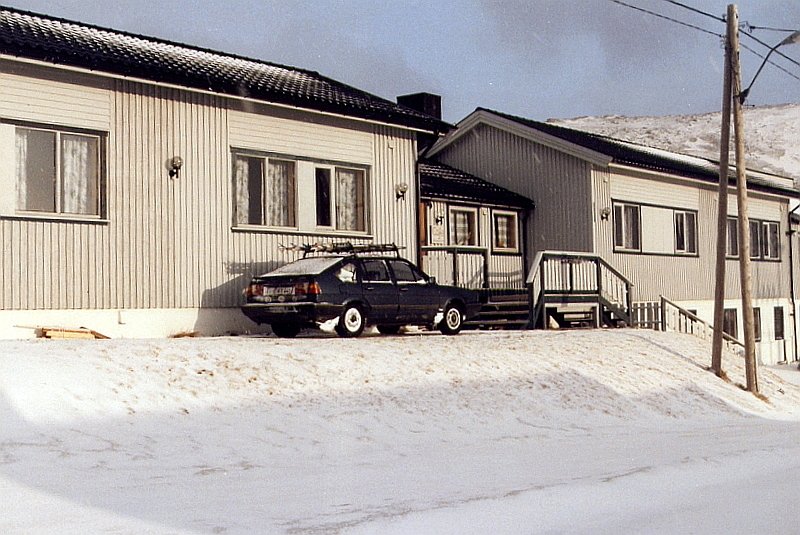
(285, 330)
(388, 329)
(452, 321)
(351, 322)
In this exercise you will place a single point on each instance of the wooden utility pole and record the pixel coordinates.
(722, 213)
(741, 195)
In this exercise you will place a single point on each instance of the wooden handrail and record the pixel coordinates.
(725, 336)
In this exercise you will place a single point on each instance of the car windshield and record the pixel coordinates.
(306, 266)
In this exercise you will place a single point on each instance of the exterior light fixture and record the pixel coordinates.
(791, 40)
(175, 165)
(400, 191)
(605, 213)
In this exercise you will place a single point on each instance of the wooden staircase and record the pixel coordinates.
(502, 309)
(570, 290)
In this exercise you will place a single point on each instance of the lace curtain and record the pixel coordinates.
(349, 200)
(280, 194)
(22, 169)
(264, 200)
(78, 174)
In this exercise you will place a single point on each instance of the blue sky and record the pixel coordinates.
(536, 58)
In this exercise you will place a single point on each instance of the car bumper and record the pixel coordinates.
(300, 313)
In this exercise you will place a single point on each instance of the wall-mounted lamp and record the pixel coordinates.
(175, 164)
(604, 213)
(439, 219)
(400, 191)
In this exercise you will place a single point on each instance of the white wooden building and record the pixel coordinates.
(144, 182)
(649, 213)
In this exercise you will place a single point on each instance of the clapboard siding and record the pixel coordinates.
(558, 183)
(169, 243)
(285, 132)
(688, 278)
(47, 96)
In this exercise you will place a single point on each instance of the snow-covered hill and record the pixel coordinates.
(772, 135)
(486, 432)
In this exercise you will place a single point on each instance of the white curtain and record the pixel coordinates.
(241, 174)
(280, 194)
(349, 200)
(22, 169)
(78, 175)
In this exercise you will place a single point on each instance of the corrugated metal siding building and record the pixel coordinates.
(585, 185)
(157, 254)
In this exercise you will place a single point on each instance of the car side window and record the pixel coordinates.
(347, 273)
(376, 271)
(405, 272)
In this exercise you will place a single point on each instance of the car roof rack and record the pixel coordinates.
(344, 248)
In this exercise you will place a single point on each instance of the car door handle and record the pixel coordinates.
(403, 289)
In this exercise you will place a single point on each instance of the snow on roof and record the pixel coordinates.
(636, 154)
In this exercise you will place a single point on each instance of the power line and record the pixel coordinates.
(719, 19)
(659, 15)
(690, 8)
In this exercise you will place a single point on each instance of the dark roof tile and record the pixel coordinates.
(438, 180)
(64, 42)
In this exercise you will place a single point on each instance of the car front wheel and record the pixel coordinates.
(452, 321)
(351, 322)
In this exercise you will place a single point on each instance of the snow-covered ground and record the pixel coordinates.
(772, 135)
(486, 432)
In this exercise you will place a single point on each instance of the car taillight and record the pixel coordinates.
(254, 290)
(307, 288)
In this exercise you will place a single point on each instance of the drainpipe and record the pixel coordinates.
(791, 232)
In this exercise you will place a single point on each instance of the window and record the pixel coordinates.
(504, 231)
(463, 226)
(730, 323)
(376, 271)
(405, 272)
(765, 243)
(771, 242)
(777, 317)
(685, 232)
(264, 191)
(732, 250)
(323, 182)
(627, 227)
(343, 195)
(757, 323)
(755, 239)
(58, 172)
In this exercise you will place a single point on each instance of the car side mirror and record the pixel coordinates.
(431, 280)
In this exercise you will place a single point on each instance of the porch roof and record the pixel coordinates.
(438, 180)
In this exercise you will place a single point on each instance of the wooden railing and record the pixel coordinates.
(578, 277)
(675, 318)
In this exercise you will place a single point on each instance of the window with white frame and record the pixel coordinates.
(777, 317)
(463, 226)
(627, 227)
(770, 244)
(341, 198)
(58, 171)
(732, 238)
(685, 232)
(765, 243)
(265, 191)
(504, 231)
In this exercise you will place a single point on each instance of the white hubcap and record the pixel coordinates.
(352, 320)
(453, 318)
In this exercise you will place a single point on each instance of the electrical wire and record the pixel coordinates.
(659, 15)
(690, 8)
(721, 36)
